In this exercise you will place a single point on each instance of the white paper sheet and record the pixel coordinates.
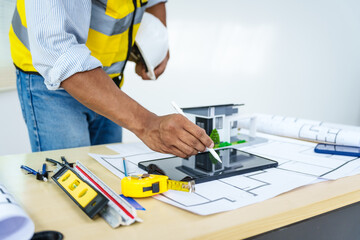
(14, 222)
(299, 165)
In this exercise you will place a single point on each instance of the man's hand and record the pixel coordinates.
(140, 68)
(175, 134)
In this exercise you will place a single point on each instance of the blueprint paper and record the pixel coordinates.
(114, 163)
(14, 222)
(130, 149)
(299, 156)
(299, 165)
(306, 129)
(235, 192)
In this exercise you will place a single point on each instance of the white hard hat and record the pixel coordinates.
(152, 41)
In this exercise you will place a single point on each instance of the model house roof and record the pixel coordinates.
(224, 109)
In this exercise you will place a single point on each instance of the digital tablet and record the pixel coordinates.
(203, 167)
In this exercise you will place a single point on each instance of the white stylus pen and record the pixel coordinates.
(211, 150)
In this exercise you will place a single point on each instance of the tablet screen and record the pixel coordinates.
(203, 167)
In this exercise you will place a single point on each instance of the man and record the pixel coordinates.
(79, 50)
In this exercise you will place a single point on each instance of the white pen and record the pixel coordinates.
(211, 150)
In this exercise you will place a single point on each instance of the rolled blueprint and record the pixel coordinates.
(14, 222)
(316, 131)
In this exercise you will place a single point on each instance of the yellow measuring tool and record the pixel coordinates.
(93, 196)
(90, 200)
(147, 185)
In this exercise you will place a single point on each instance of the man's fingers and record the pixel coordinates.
(199, 133)
(162, 66)
(189, 150)
(176, 151)
(192, 141)
(140, 70)
(159, 70)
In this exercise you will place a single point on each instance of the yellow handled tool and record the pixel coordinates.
(90, 200)
(147, 185)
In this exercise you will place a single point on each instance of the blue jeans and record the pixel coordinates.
(55, 120)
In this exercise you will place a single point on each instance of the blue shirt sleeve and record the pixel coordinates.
(154, 2)
(58, 30)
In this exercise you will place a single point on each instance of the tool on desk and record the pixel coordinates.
(147, 185)
(337, 149)
(58, 165)
(64, 161)
(118, 210)
(39, 176)
(48, 235)
(90, 200)
(133, 202)
(54, 162)
(125, 167)
(44, 172)
(211, 150)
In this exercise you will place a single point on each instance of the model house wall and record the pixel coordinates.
(223, 118)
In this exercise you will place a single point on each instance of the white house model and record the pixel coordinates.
(223, 118)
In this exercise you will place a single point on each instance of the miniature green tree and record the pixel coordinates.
(215, 136)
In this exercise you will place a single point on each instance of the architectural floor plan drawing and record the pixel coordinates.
(114, 162)
(299, 156)
(234, 192)
(298, 166)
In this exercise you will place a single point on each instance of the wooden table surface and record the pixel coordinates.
(50, 208)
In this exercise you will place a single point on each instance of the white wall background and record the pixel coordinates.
(296, 58)
(13, 132)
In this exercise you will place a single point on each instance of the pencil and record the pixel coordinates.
(125, 168)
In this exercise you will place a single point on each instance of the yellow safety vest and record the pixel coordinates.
(113, 27)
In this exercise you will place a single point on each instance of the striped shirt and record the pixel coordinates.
(58, 31)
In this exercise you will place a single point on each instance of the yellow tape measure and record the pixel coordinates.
(147, 185)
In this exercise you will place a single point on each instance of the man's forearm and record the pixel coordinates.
(96, 90)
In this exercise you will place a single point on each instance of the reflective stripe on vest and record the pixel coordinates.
(108, 38)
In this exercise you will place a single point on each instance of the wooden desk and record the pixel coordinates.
(51, 209)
